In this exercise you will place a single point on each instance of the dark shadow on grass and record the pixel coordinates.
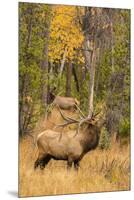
(13, 193)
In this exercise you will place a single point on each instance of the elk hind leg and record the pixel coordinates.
(76, 164)
(37, 163)
(39, 160)
(44, 161)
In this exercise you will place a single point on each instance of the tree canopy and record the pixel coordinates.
(81, 52)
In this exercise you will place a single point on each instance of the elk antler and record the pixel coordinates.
(80, 123)
(66, 117)
(83, 116)
(68, 120)
(86, 119)
(96, 114)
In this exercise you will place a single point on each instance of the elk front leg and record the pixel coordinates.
(76, 164)
(69, 163)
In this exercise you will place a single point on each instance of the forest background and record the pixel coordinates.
(82, 52)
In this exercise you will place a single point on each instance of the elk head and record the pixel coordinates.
(80, 122)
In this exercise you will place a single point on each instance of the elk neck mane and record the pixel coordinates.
(89, 137)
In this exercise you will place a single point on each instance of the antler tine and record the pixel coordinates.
(77, 130)
(70, 120)
(96, 114)
(65, 124)
(67, 118)
(80, 123)
(83, 116)
(73, 120)
(64, 117)
(84, 120)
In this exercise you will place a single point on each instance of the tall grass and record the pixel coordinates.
(100, 170)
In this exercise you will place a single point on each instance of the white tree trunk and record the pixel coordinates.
(90, 59)
(91, 86)
(63, 61)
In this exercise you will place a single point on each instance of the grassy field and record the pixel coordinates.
(107, 170)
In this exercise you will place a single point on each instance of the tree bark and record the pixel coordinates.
(68, 79)
(63, 62)
(75, 78)
(23, 89)
(91, 86)
(89, 54)
(112, 45)
(45, 63)
(99, 54)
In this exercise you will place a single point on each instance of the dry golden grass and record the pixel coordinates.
(107, 170)
(99, 171)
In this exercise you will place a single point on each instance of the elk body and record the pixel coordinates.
(65, 102)
(70, 147)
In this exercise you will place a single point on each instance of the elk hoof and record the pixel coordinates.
(36, 164)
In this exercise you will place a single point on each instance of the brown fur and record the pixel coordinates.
(66, 102)
(68, 147)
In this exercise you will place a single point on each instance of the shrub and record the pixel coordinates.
(124, 127)
(104, 139)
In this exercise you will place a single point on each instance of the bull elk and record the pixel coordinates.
(71, 146)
